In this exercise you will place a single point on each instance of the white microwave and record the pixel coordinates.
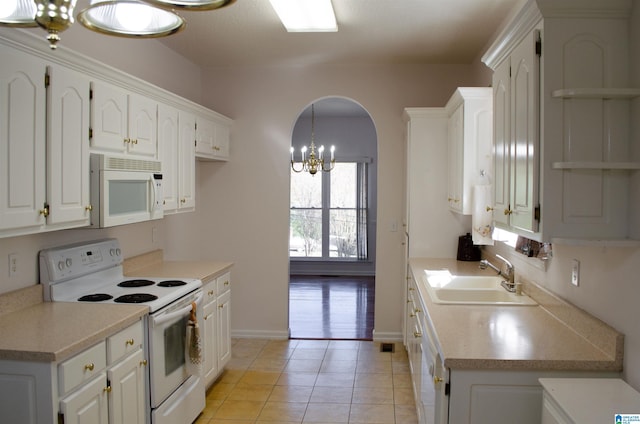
(125, 190)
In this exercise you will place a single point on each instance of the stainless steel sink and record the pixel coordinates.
(445, 288)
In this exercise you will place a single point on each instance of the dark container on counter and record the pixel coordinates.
(467, 251)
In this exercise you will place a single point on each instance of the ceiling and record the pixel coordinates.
(248, 33)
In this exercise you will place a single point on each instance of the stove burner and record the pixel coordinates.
(135, 283)
(135, 298)
(171, 283)
(98, 297)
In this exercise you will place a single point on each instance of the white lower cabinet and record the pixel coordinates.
(104, 384)
(474, 396)
(216, 327)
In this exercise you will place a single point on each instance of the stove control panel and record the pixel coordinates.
(76, 260)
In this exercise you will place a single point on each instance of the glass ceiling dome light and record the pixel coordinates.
(191, 4)
(130, 18)
(18, 13)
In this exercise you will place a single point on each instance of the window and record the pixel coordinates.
(328, 215)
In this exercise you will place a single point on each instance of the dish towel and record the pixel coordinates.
(481, 218)
(194, 344)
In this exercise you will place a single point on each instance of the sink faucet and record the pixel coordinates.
(509, 284)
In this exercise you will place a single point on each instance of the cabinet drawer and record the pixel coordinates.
(210, 291)
(82, 367)
(224, 283)
(125, 342)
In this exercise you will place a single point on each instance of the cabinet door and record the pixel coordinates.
(87, 405)
(501, 142)
(455, 151)
(168, 151)
(206, 133)
(210, 351)
(127, 397)
(143, 116)
(67, 149)
(22, 140)
(224, 329)
(221, 143)
(524, 134)
(108, 118)
(187, 161)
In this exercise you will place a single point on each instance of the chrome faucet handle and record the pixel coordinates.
(510, 269)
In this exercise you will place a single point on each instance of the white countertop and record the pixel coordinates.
(514, 337)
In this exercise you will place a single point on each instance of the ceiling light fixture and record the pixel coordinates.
(306, 15)
(129, 18)
(124, 18)
(315, 162)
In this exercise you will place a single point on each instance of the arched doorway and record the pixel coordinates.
(332, 225)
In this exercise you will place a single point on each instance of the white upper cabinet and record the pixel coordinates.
(68, 148)
(176, 144)
(515, 86)
(168, 154)
(122, 122)
(469, 144)
(46, 184)
(213, 139)
(561, 108)
(22, 140)
(187, 162)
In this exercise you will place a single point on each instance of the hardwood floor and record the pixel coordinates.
(336, 308)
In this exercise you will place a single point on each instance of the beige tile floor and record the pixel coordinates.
(312, 381)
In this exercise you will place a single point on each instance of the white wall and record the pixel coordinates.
(243, 204)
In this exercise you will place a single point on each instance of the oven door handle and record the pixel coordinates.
(163, 318)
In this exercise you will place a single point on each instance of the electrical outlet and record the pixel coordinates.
(575, 272)
(13, 264)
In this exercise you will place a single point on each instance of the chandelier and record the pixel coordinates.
(315, 162)
(124, 18)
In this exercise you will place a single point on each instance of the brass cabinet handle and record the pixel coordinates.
(226, 283)
(45, 211)
(221, 306)
(437, 380)
(508, 211)
(107, 389)
(89, 367)
(489, 208)
(129, 342)
(88, 208)
(418, 310)
(143, 363)
(127, 140)
(417, 334)
(210, 292)
(183, 200)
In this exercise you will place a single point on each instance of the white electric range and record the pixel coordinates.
(93, 272)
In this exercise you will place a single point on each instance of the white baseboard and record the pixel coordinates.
(379, 336)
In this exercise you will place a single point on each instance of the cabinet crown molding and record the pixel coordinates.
(534, 11)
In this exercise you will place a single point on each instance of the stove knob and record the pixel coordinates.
(61, 265)
(68, 262)
(112, 252)
(118, 252)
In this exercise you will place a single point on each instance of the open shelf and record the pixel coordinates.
(596, 165)
(596, 93)
(596, 242)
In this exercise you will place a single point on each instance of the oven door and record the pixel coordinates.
(168, 356)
